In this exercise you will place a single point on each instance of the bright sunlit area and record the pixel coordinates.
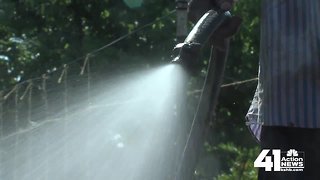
(129, 129)
(88, 92)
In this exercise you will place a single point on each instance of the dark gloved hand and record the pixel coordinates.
(221, 36)
(225, 4)
(197, 8)
(219, 39)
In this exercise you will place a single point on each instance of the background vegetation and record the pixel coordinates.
(37, 37)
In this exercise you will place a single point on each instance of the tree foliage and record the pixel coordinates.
(39, 36)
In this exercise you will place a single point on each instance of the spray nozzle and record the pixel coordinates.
(187, 53)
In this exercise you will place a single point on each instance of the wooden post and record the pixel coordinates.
(207, 104)
(46, 135)
(1, 114)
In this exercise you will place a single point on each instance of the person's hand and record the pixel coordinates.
(221, 36)
(198, 8)
(219, 39)
(225, 4)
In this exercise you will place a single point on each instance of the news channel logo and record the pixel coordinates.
(291, 160)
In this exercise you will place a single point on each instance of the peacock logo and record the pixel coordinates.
(292, 152)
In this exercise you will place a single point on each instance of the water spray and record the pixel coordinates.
(125, 132)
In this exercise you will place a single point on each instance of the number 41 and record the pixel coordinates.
(268, 164)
